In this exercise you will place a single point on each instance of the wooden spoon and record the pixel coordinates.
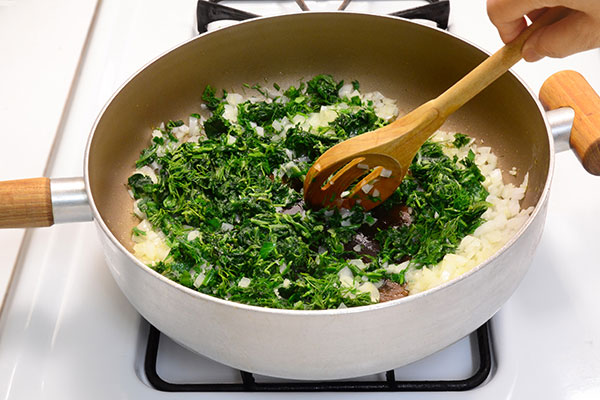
(385, 154)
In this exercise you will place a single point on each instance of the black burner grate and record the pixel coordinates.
(249, 384)
(437, 11)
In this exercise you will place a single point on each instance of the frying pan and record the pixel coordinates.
(406, 61)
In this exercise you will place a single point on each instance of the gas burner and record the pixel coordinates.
(208, 11)
(247, 382)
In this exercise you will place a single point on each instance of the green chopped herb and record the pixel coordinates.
(461, 140)
(323, 90)
(239, 190)
(140, 184)
(138, 232)
(355, 123)
(216, 126)
(212, 102)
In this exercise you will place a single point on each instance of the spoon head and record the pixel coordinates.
(366, 180)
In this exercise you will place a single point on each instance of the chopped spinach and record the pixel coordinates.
(216, 126)
(211, 101)
(461, 140)
(140, 185)
(323, 90)
(447, 200)
(355, 123)
(237, 191)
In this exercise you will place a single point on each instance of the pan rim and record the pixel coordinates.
(327, 312)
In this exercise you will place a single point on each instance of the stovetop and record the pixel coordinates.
(66, 331)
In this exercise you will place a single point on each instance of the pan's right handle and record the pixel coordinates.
(39, 202)
(570, 89)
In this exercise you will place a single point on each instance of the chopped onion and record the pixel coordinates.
(244, 282)
(149, 172)
(234, 98)
(368, 287)
(193, 235)
(230, 113)
(226, 227)
(194, 128)
(346, 277)
(358, 263)
(366, 188)
(345, 213)
(199, 279)
(282, 267)
(385, 173)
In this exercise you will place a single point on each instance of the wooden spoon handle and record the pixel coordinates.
(25, 203)
(493, 67)
(570, 89)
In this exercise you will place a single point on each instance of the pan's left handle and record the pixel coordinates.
(570, 89)
(39, 202)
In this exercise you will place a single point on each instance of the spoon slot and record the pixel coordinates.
(380, 183)
(346, 175)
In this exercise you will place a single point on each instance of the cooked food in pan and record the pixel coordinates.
(221, 210)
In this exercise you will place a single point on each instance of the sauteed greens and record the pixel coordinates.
(229, 205)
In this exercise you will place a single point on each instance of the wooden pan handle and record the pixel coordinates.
(25, 203)
(570, 89)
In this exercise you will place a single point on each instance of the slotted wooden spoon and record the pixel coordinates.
(384, 155)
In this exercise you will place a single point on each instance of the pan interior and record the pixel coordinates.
(403, 60)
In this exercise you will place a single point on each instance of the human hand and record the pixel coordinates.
(577, 31)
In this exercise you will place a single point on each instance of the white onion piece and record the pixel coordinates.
(366, 188)
(244, 282)
(199, 280)
(385, 173)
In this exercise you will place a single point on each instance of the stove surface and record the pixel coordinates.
(67, 332)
